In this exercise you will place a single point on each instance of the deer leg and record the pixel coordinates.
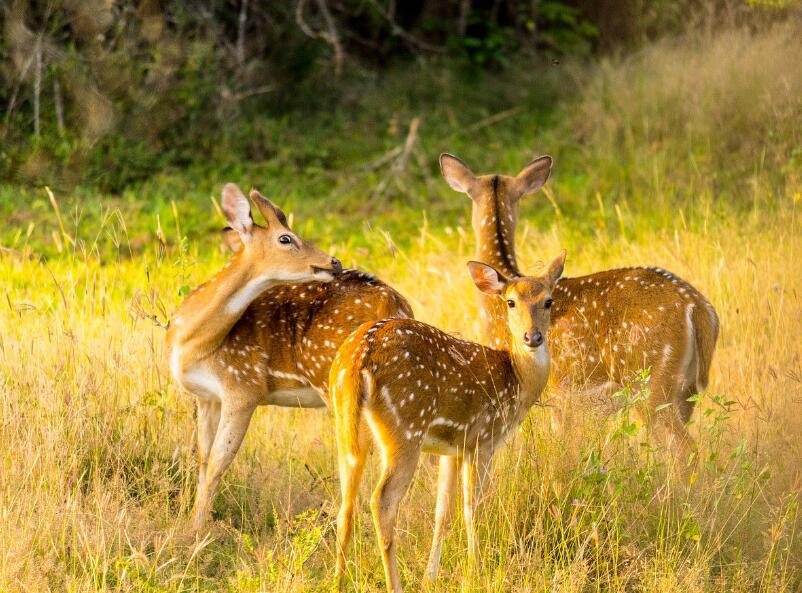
(350, 477)
(446, 486)
(399, 467)
(231, 430)
(474, 478)
(208, 420)
(668, 422)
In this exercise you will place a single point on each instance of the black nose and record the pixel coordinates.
(534, 340)
(336, 265)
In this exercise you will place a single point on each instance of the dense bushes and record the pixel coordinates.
(109, 93)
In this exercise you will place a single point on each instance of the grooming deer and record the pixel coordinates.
(263, 331)
(409, 388)
(604, 325)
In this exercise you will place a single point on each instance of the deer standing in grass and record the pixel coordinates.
(409, 388)
(605, 325)
(264, 331)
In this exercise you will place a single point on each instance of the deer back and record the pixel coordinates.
(290, 334)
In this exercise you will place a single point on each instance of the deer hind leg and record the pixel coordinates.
(688, 390)
(208, 420)
(399, 468)
(231, 430)
(474, 481)
(665, 387)
(446, 488)
(351, 467)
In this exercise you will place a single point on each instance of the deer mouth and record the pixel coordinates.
(327, 273)
(324, 274)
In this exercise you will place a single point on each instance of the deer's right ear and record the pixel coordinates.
(487, 278)
(237, 210)
(458, 175)
(232, 239)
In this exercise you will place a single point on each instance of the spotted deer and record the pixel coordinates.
(263, 331)
(604, 325)
(409, 388)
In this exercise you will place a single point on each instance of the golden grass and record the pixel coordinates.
(97, 468)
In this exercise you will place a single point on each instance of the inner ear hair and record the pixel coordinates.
(236, 208)
(487, 278)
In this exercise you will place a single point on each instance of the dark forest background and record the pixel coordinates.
(108, 93)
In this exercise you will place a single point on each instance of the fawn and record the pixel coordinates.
(408, 388)
(604, 325)
(263, 331)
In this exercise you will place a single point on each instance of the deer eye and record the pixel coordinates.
(548, 303)
(285, 240)
(511, 304)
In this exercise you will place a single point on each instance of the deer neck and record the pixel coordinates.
(494, 220)
(531, 370)
(207, 315)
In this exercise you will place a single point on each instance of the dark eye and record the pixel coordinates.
(285, 240)
(511, 304)
(548, 303)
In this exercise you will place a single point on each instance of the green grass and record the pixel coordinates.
(685, 156)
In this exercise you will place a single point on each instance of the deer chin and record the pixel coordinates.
(322, 275)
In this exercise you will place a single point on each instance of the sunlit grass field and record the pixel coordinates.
(696, 170)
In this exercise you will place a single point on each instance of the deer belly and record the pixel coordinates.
(300, 397)
(438, 446)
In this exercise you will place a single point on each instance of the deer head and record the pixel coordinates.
(528, 299)
(485, 190)
(273, 250)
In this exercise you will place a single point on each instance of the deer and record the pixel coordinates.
(604, 325)
(263, 331)
(408, 388)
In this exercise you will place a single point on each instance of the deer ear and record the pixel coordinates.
(487, 278)
(555, 269)
(232, 239)
(272, 213)
(237, 209)
(456, 173)
(533, 176)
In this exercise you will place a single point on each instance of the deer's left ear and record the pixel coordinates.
(555, 269)
(487, 279)
(533, 176)
(232, 239)
(272, 213)
(456, 173)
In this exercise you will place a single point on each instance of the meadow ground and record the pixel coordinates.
(686, 156)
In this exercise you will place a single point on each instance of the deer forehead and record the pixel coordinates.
(528, 290)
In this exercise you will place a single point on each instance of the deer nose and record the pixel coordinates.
(336, 265)
(533, 340)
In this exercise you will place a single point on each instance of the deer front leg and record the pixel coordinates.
(208, 420)
(231, 430)
(446, 486)
(399, 467)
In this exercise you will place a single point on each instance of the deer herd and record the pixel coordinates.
(283, 324)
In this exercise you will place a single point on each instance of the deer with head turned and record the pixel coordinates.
(604, 325)
(409, 388)
(263, 331)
